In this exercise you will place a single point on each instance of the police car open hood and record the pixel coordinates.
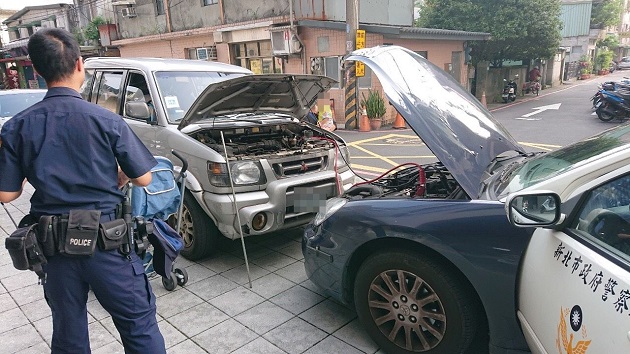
(460, 132)
(274, 93)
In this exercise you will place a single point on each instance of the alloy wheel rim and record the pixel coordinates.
(186, 228)
(406, 310)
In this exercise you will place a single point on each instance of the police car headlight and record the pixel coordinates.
(332, 205)
(243, 173)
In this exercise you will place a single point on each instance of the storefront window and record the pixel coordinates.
(257, 57)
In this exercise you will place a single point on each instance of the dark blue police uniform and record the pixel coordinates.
(69, 150)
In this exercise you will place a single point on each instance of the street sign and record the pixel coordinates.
(359, 66)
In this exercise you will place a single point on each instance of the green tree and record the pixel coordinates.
(520, 29)
(611, 42)
(606, 13)
(91, 30)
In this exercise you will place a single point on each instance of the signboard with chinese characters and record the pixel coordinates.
(360, 67)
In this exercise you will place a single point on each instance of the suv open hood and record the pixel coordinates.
(274, 93)
(460, 132)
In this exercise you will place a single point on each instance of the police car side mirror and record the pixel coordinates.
(539, 209)
(138, 110)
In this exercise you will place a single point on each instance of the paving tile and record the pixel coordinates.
(111, 348)
(225, 337)
(211, 287)
(158, 289)
(19, 279)
(99, 336)
(328, 316)
(3, 290)
(38, 348)
(355, 335)
(21, 338)
(197, 319)
(264, 317)
(172, 336)
(273, 261)
(295, 336)
(259, 346)
(222, 263)
(186, 347)
(96, 310)
(239, 274)
(109, 325)
(271, 285)
(176, 302)
(293, 250)
(197, 273)
(36, 310)
(7, 302)
(12, 319)
(254, 251)
(28, 294)
(297, 299)
(294, 272)
(236, 301)
(45, 328)
(333, 345)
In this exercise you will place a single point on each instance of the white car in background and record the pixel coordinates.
(624, 63)
(15, 101)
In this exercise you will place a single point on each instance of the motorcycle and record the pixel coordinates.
(531, 86)
(509, 90)
(613, 105)
(610, 86)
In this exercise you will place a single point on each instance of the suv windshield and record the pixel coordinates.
(179, 89)
(560, 161)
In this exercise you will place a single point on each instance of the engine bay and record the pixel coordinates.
(415, 181)
(265, 140)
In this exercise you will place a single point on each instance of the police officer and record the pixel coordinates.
(69, 150)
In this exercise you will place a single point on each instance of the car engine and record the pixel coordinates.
(276, 140)
(417, 181)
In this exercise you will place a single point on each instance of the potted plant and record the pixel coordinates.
(603, 60)
(586, 67)
(374, 107)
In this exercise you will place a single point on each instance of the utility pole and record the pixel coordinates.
(350, 82)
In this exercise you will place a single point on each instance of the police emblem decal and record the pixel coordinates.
(564, 341)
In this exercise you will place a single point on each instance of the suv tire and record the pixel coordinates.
(199, 232)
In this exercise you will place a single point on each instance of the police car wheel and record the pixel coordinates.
(412, 303)
(198, 231)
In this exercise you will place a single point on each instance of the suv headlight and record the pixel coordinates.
(332, 205)
(243, 173)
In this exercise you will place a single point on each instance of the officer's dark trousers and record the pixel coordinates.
(121, 287)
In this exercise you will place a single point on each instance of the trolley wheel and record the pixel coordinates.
(182, 276)
(170, 283)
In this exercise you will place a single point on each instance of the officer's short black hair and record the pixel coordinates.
(54, 53)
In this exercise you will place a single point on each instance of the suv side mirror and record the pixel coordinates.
(137, 109)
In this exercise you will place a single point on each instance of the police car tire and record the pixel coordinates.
(205, 235)
(462, 313)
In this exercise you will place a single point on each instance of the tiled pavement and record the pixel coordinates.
(216, 312)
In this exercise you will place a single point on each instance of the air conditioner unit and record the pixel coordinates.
(128, 12)
(202, 53)
(284, 42)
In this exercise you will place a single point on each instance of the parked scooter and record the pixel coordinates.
(509, 90)
(610, 86)
(613, 104)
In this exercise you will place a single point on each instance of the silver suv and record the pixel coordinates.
(282, 169)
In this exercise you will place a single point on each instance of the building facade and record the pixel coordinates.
(283, 36)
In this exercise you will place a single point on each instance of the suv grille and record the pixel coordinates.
(300, 166)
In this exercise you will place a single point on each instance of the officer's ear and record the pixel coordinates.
(79, 66)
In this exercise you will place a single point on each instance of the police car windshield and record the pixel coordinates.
(179, 89)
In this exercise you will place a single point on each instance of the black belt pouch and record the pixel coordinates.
(112, 234)
(46, 234)
(23, 248)
(83, 226)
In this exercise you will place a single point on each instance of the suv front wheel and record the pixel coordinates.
(199, 232)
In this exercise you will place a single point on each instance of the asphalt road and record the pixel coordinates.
(557, 117)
